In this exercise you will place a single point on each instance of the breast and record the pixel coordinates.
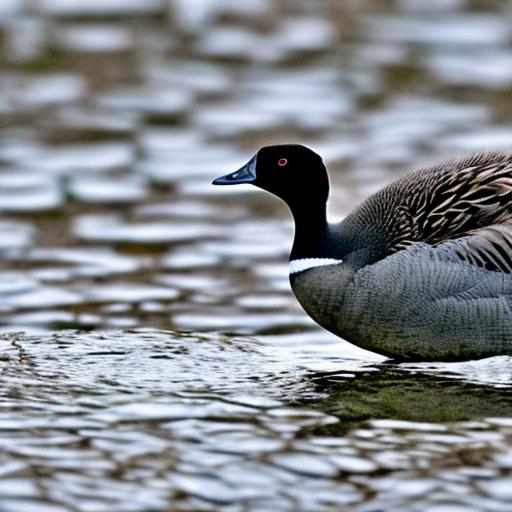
(322, 292)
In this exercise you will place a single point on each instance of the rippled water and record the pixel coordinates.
(114, 117)
(142, 419)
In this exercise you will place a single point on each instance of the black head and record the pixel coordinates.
(292, 172)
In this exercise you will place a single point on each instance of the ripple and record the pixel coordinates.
(99, 7)
(111, 229)
(231, 119)
(24, 192)
(237, 43)
(306, 34)
(481, 138)
(94, 158)
(90, 261)
(196, 14)
(108, 190)
(11, 282)
(52, 89)
(95, 38)
(206, 80)
(307, 464)
(43, 297)
(163, 105)
(128, 292)
(241, 323)
(15, 235)
(189, 260)
(490, 70)
(460, 30)
(185, 164)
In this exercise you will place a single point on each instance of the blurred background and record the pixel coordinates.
(117, 114)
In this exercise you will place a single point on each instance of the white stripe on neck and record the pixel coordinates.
(302, 264)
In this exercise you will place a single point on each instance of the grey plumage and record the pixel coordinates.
(422, 303)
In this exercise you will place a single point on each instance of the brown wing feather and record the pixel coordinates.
(469, 200)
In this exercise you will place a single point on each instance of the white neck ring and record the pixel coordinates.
(303, 264)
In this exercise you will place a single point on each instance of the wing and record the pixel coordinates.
(489, 247)
(467, 204)
(476, 196)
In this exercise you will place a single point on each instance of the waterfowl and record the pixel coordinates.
(421, 270)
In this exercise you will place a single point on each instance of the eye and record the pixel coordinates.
(282, 162)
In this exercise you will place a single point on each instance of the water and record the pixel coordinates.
(196, 382)
(141, 419)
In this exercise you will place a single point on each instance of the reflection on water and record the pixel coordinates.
(114, 117)
(423, 394)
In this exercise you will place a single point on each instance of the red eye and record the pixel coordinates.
(282, 162)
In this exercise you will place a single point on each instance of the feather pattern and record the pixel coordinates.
(489, 247)
(465, 206)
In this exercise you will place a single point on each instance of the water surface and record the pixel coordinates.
(161, 361)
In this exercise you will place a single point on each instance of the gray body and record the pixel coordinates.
(422, 303)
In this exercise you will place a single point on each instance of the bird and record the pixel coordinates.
(419, 271)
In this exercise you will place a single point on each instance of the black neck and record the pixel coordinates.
(311, 229)
(354, 241)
